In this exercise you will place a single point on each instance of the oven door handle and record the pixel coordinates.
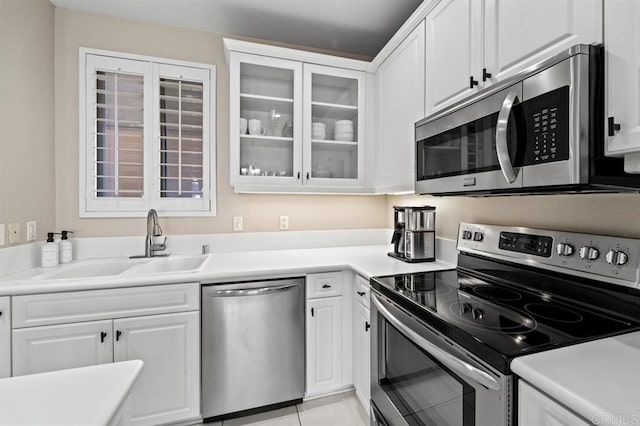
(502, 145)
(448, 359)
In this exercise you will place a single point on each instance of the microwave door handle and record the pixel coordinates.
(450, 360)
(502, 146)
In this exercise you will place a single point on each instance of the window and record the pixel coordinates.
(147, 136)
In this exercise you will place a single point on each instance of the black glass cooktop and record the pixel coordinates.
(494, 321)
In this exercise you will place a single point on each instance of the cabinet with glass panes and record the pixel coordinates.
(295, 127)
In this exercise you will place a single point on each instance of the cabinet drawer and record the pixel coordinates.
(324, 285)
(64, 308)
(5, 337)
(362, 290)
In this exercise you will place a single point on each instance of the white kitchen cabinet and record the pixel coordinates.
(474, 43)
(361, 342)
(335, 99)
(168, 387)
(537, 409)
(453, 52)
(287, 94)
(324, 345)
(521, 33)
(58, 347)
(5, 337)
(159, 325)
(622, 56)
(400, 86)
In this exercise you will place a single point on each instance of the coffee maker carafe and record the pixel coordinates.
(414, 236)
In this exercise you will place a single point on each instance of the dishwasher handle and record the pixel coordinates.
(257, 291)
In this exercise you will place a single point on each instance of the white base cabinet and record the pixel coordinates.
(537, 409)
(5, 337)
(362, 342)
(168, 342)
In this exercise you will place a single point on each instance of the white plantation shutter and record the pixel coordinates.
(146, 137)
(116, 132)
(183, 116)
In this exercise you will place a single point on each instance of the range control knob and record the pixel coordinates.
(466, 235)
(589, 253)
(478, 314)
(564, 249)
(478, 236)
(616, 257)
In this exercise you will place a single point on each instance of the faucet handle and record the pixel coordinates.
(159, 246)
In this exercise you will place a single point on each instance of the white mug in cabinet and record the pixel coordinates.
(255, 127)
(243, 126)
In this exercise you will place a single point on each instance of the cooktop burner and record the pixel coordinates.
(494, 320)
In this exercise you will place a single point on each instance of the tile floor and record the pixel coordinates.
(339, 410)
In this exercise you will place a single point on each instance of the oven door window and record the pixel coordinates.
(421, 389)
(469, 148)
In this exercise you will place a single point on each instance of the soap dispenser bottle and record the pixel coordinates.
(50, 254)
(66, 248)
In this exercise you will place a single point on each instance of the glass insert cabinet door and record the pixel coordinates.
(266, 120)
(333, 126)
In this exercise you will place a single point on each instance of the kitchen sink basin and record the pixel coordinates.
(88, 269)
(170, 264)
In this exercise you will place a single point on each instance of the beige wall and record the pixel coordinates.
(26, 114)
(74, 29)
(612, 214)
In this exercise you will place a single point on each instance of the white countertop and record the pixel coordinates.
(368, 261)
(79, 396)
(597, 380)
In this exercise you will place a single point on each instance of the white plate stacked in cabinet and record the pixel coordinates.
(361, 340)
(328, 323)
(159, 325)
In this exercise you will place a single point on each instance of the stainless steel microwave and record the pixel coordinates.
(541, 131)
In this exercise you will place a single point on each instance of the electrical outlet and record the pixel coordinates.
(32, 230)
(14, 233)
(284, 222)
(2, 235)
(237, 223)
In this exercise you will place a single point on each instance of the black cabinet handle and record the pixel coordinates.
(312, 312)
(472, 82)
(298, 175)
(307, 175)
(0, 313)
(361, 293)
(613, 126)
(485, 75)
(326, 286)
(367, 326)
(118, 334)
(102, 336)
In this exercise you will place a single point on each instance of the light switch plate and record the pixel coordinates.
(284, 222)
(14, 233)
(2, 235)
(32, 230)
(237, 223)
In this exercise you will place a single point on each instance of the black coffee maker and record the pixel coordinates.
(399, 226)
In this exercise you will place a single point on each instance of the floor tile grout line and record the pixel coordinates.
(298, 413)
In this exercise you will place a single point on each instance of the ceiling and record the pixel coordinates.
(360, 27)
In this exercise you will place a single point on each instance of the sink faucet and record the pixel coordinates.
(153, 230)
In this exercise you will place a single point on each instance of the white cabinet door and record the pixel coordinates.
(5, 337)
(168, 389)
(361, 353)
(537, 409)
(521, 33)
(400, 81)
(58, 347)
(324, 345)
(333, 127)
(622, 44)
(453, 52)
(269, 92)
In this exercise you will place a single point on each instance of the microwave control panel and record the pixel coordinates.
(546, 127)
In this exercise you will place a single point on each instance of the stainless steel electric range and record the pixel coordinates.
(442, 342)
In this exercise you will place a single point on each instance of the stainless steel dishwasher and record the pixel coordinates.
(252, 346)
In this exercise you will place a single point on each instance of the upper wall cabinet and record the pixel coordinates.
(471, 44)
(400, 86)
(296, 126)
(622, 47)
